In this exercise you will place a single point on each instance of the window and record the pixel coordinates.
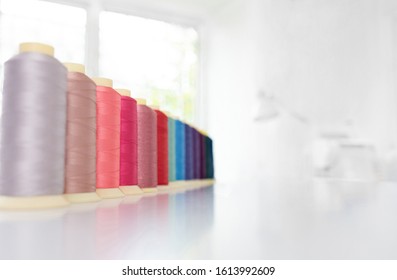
(59, 25)
(156, 60)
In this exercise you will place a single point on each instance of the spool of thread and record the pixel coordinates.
(197, 147)
(171, 149)
(202, 157)
(147, 147)
(80, 164)
(108, 139)
(189, 152)
(194, 163)
(162, 148)
(33, 125)
(128, 144)
(180, 150)
(209, 158)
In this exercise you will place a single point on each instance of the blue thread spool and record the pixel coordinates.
(180, 150)
(189, 152)
(209, 158)
(197, 165)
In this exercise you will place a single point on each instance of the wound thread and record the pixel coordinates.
(171, 150)
(33, 125)
(162, 148)
(189, 168)
(196, 157)
(147, 147)
(180, 150)
(202, 157)
(209, 158)
(80, 169)
(108, 137)
(128, 142)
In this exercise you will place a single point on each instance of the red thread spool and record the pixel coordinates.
(108, 137)
(162, 148)
(147, 147)
(128, 140)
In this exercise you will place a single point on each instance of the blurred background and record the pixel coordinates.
(299, 96)
(286, 88)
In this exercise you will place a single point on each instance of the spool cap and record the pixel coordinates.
(169, 114)
(203, 132)
(36, 47)
(141, 101)
(124, 92)
(75, 67)
(103, 82)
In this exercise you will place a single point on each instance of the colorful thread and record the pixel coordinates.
(196, 157)
(80, 169)
(209, 158)
(147, 147)
(180, 150)
(189, 152)
(162, 148)
(171, 150)
(202, 157)
(33, 126)
(128, 142)
(108, 137)
(62, 133)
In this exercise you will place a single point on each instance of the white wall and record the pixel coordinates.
(332, 61)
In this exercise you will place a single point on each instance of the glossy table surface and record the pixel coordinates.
(318, 219)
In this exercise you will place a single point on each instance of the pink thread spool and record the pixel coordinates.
(80, 166)
(147, 147)
(108, 139)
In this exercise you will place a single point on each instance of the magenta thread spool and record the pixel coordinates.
(128, 144)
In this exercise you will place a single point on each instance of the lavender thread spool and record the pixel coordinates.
(33, 129)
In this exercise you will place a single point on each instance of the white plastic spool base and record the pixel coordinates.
(131, 190)
(82, 197)
(110, 193)
(163, 188)
(150, 191)
(32, 202)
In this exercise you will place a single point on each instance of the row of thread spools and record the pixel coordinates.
(69, 138)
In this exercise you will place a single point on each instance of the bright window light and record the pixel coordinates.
(156, 60)
(59, 25)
